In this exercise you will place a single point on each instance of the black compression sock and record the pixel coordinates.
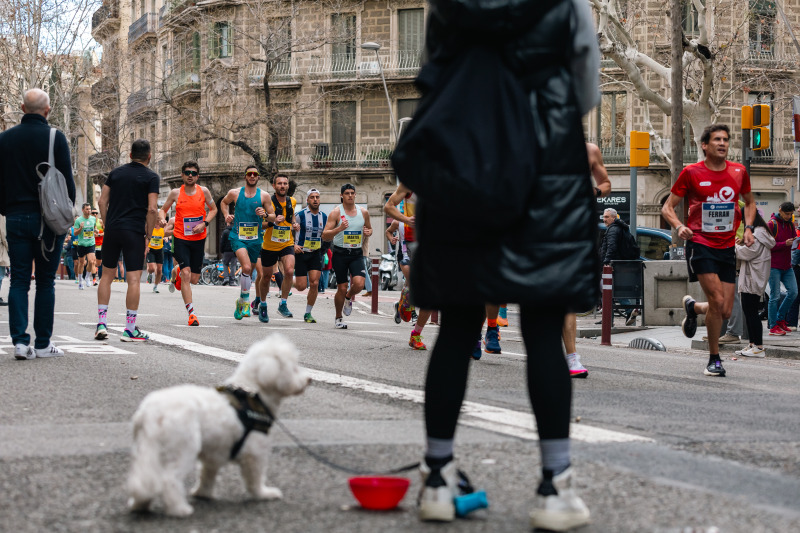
(713, 358)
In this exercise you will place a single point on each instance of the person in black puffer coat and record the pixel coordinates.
(610, 248)
(547, 261)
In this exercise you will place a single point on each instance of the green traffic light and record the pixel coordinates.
(757, 138)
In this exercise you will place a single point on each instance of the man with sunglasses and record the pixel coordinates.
(278, 245)
(253, 210)
(308, 250)
(194, 210)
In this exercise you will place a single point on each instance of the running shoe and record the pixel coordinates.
(308, 318)
(254, 305)
(155, 289)
(262, 313)
(245, 308)
(413, 314)
(715, 369)
(502, 322)
(689, 324)
(80, 285)
(178, 281)
(558, 507)
(348, 307)
(439, 488)
(784, 326)
(149, 279)
(416, 342)
(237, 313)
(136, 336)
(776, 330)
(284, 310)
(752, 351)
(477, 352)
(338, 324)
(101, 333)
(576, 369)
(193, 320)
(23, 352)
(491, 341)
(397, 318)
(173, 277)
(48, 351)
(631, 321)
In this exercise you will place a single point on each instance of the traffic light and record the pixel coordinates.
(747, 117)
(640, 148)
(760, 127)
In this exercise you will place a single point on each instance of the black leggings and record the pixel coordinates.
(750, 303)
(549, 385)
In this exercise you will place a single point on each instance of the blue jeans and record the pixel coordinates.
(24, 248)
(323, 280)
(776, 277)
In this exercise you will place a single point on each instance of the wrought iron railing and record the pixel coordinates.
(102, 163)
(141, 100)
(183, 81)
(103, 90)
(284, 71)
(106, 12)
(147, 23)
(363, 64)
(351, 155)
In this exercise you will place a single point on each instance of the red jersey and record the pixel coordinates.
(713, 201)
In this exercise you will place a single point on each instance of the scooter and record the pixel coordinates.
(388, 271)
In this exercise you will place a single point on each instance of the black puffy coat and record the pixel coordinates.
(473, 253)
(609, 249)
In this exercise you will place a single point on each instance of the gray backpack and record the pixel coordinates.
(58, 211)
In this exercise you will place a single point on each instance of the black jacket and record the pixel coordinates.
(225, 241)
(609, 249)
(22, 148)
(550, 255)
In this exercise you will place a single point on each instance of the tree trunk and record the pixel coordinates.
(676, 80)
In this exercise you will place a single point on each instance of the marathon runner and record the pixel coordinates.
(253, 209)
(129, 205)
(84, 239)
(191, 222)
(712, 187)
(155, 258)
(278, 245)
(308, 250)
(347, 226)
(99, 234)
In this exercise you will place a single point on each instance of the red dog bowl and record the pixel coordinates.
(379, 493)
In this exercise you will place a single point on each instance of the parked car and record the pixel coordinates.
(653, 243)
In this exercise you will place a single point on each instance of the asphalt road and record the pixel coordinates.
(657, 445)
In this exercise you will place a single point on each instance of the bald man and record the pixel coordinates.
(22, 148)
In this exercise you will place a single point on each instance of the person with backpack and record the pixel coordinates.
(782, 230)
(30, 236)
(619, 244)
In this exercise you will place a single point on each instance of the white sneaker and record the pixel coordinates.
(438, 490)
(348, 307)
(339, 324)
(558, 507)
(50, 351)
(80, 285)
(753, 351)
(576, 369)
(23, 352)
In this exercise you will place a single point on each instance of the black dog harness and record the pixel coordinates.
(252, 412)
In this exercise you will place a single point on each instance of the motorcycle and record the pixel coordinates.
(388, 271)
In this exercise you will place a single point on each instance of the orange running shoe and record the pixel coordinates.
(502, 322)
(193, 320)
(416, 342)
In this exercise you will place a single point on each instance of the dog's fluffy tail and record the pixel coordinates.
(144, 481)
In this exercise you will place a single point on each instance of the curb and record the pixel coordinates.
(780, 352)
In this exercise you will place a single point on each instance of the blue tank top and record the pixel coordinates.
(246, 224)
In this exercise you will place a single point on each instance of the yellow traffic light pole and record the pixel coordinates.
(640, 157)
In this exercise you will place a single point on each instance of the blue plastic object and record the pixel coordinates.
(467, 503)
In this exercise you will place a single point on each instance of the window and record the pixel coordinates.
(407, 107)
(343, 131)
(690, 23)
(220, 42)
(279, 46)
(611, 126)
(343, 50)
(411, 37)
(762, 29)
(652, 247)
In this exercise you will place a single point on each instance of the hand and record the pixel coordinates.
(296, 227)
(686, 234)
(279, 219)
(229, 218)
(367, 231)
(739, 241)
(199, 229)
(260, 211)
(162, 222)
(298, 249)
(790, 241)
(393, 239)
(344, 225)
(748, 238)
(412, 221)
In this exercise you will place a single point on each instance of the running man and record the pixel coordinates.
(308, 250)
(194, 210)
(155, 258)
(409, 246)
(129, 206)
(347, 226)
(278, 245)
(253, 209)
(712, 187)
(84, 238)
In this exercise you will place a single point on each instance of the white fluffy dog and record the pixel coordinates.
(175, 427)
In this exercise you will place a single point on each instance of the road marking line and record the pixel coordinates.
(497, 419)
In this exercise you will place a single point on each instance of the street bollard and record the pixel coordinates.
(608, 311)
(435, 317)
(375, 284)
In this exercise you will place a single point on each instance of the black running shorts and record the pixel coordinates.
(703, 259)
(270, 257)
(307, 261)
(125, 243)
(190, 254)
(83, 251)
(345, 263)
(155, 256)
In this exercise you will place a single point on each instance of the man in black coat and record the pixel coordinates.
(610, 249)
(22, 148)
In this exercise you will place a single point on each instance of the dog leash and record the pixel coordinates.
(349, 470)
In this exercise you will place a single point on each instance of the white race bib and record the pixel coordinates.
(718, 217)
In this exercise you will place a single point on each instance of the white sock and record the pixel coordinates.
(244, 282)
(309, 308)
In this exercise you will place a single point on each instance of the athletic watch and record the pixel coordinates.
(750, 227)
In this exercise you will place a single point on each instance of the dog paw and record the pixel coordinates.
(180, 510)
(269, 493)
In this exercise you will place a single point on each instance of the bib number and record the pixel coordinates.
(156, 242)
(88, 233)
(281, 234)
(248, 231)
(718, 217)
(351, 239)
(312, 243)
(189, 224)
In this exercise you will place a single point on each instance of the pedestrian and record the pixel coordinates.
(782, 229)
(4, 260)
(30, 241)
(754, 274)
(228, 256)
(611, 250)
(129, 206)
(168, 257)
(712, 187)
(546, 260)
(794, 310)
(327, 266)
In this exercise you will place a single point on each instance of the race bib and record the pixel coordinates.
(281, 233)
(248, 231)
(156, 242)
(352, 239)
(718, 217)
(189, 224)
(312, 244)
(88, 233)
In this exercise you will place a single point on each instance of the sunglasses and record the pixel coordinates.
(190, 172)
(250, 174)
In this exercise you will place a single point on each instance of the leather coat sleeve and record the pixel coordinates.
(611, 241)
(490, 18)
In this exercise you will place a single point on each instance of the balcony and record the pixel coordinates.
(284, 73)
(364, 65)
(105, 20)
(351, 155)
(616, 152)
(780, 152)
(171, 10)
(102, 163)
(142, 101)
(767, 56)
(169, 166)
(144, 27)
(104, 93)
(183, 83)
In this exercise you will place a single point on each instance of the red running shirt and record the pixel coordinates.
(713, 201)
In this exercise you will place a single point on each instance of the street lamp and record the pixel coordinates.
(403, 121)
(375, 47)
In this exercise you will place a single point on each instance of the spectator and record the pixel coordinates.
(753, 276)
(4, 261)
(327, 266)
(228, 256)
(610, 249)
(781, 228)
(22, 148)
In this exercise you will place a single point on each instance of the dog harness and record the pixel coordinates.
(252, 412)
